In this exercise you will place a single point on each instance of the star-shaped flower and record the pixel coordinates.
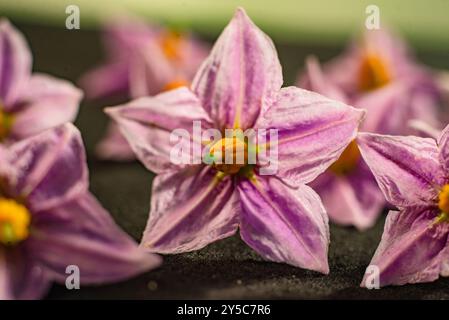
(238, 87)
(29, 103)
(49, 220)
(412, 173)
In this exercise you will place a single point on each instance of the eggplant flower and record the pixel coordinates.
(378, 75)
(238, 87)
(50, 221)
(29, 103)
(412, 173)
(143, 60)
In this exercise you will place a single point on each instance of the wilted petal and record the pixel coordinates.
(240, 75)
(20, 277)
(189, 210)
(50, 167)
(312, 130)
(410, 249)
(284, 224)
(114, 145)
(15, 64)
(406, 168)
(148, 122)
(81, 233)
(47, 102)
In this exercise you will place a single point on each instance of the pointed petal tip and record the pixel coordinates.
(112, 112)
(240, 12)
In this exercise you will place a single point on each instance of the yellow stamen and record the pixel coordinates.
(171, 44)
(347, 161)
(14, 222)
(175, 84)
(6, 121)
(373, 73)
(443, 199)
(229, 146)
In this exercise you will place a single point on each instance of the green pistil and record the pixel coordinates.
(442, 217)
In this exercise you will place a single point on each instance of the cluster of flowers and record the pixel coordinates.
(49, 220)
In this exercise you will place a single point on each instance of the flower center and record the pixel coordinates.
(373, 73)
(229, 155)
(14, 222)
(347, 161)
(5, 124)
(175, 84)
(171, 42)
(443, 204)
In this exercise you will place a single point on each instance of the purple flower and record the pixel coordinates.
(412, 173)
(49, 220)
(378, 75)
(144, 60)
(239, 87)
(29, 103)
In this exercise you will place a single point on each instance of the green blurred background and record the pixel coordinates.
(424, 22)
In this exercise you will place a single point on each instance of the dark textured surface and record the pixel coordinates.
(227, 269)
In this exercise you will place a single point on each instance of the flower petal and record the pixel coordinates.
(189, 210)
(82, 233)
(312, 130)
(240, 75)
(50, 167)
(315, 80)
(410, 249)
(47, 102)
(114, 145)
(21, 278)
(147, 124)
(443, 147)
(106, 80)
(406, 168)
(352, 200)
(150, 71)
(284, 224)
(15, 64)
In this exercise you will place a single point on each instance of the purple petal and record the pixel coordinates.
(21, 278)
(82, 233)
(150, 71)
(114, 146)
(351, 200)
(106, 80)
(411, 247)
(312, 130)
(15, 64)
(406, 168)
(50, 167)
(148, 122)
(189, 210)
(443, 147)
(284, 224)
(240, 76)
(315, 80)
(46, 103)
